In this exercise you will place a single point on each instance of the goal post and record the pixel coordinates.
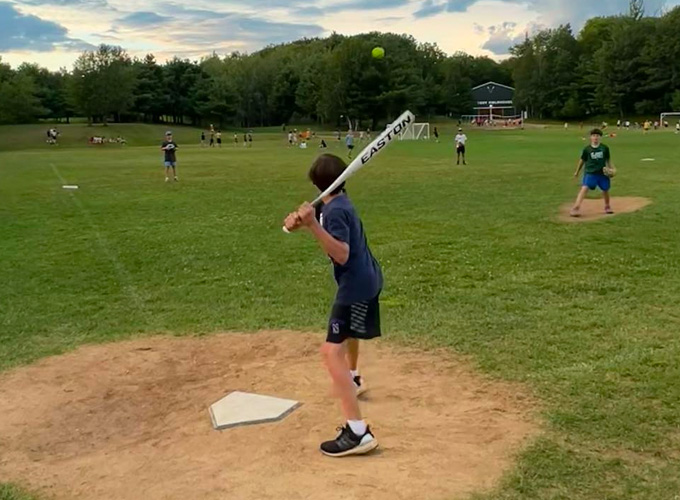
(671, 114)
(417, 131)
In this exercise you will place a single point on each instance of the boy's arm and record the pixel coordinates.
(579, 167)
(335, 249)
(609, 159)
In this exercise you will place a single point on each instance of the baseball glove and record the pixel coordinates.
(609, 171)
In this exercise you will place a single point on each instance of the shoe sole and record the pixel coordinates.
(359, 450)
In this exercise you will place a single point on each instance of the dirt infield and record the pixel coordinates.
(129, 421)
(592, 210)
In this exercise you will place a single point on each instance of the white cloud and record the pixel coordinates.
(197, 27)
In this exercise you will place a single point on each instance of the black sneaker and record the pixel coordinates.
(360, 385)
(347, 443)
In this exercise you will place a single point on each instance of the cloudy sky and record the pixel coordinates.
(54, 32)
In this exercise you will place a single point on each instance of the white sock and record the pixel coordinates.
(355, 373)
(358, 427)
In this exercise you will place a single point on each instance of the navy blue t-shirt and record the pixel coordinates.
(360, 278)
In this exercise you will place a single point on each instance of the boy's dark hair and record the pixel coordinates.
(596, 131)
(325, 169)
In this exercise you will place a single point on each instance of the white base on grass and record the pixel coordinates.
(241, 408)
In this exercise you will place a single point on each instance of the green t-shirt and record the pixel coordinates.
(595, 158)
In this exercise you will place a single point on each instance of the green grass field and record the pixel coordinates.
(586, 315)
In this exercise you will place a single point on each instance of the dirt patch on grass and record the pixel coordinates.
(129, 421)
(592, 210)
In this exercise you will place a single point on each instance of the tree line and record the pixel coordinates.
(616, 66)
(316, 80)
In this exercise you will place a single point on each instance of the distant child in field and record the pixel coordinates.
(169, 147)
(460, 139)
(436, 135)
(349, 142)
(218, 136)
(52, 136)
(356, 313)
(290, 139)
(212, 137)
(250, 139)
(235, 139)
(677, 128)
(323, 144)
(202, 139)
(597, 160)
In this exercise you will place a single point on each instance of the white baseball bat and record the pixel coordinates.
(371, 151)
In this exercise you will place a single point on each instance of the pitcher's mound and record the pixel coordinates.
(130, 421)
(594, 209)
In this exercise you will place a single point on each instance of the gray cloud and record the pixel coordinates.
(429, 8)
(550, 12)
(27, 32)
(143, 19)
(366, 5)
(207, 29)
(64, 3)
(501, 38)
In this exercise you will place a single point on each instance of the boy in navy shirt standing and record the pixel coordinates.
(356, 312)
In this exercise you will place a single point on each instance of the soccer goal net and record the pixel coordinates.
(665, 117)
(416, 132)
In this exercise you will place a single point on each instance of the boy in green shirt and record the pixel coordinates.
(598, 172)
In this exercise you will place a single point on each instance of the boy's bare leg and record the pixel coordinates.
(353, 363)
(353, 354)
(607, 202)
(335, 359)
(579, 200)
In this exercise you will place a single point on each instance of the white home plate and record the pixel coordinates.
(241, 408)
